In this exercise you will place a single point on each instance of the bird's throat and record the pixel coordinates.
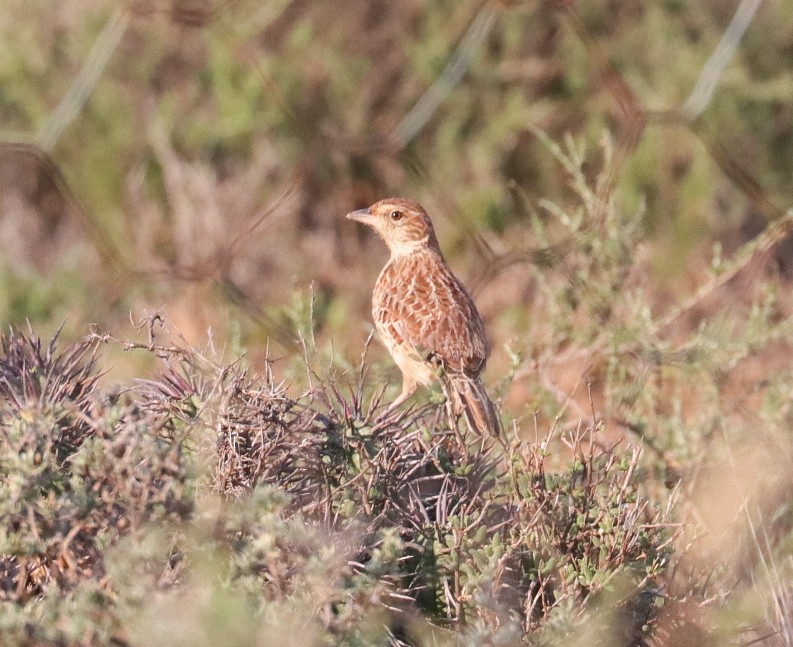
(401, 248)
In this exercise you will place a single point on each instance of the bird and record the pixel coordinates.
(425, 317)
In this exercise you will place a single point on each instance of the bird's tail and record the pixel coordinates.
(469, 398)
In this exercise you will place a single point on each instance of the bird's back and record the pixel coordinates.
(419, 303)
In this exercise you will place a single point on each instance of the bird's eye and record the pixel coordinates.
(396, 215)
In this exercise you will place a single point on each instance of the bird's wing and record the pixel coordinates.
(419, 303)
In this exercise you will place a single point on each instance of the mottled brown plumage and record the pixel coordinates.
(424, 315)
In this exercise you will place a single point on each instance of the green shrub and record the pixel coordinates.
(312, 509)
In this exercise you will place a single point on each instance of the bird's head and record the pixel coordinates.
(403, 224)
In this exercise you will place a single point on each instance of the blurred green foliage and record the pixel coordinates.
(621, 256)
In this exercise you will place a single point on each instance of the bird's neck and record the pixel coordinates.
(426, 245)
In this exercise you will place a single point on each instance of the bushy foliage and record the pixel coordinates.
(636, 293)
(210, 480)
(167, 511)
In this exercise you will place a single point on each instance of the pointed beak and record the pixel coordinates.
(363, 215)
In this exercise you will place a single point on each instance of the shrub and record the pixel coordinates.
(313, 508)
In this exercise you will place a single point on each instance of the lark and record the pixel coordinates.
(425, 316)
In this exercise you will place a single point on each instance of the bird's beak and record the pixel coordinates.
(363, 215)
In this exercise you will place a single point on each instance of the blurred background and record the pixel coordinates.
(611, 180)
(197, 157)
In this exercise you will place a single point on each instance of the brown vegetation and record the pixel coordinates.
(613, 193)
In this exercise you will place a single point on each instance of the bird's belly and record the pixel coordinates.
(410, 363)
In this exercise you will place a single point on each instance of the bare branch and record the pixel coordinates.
(436, 94)
(86, 80)
(709, 77)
